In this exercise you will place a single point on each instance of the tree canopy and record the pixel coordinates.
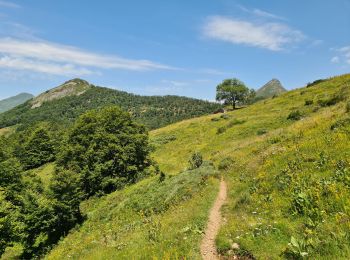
(107, 149)
(232, 91)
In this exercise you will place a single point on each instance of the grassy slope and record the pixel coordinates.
(272, 172)
(150, 219)
(265, 147)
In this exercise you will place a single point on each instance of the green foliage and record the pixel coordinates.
(195, 161)
(297, 249)
(161, 140)
(316, 82)
(107, 149)
(38, 150)
(331, 101)
(152, 111)
(232, 91)
(226, 164)
(151, 219)
(261, 132)
(347, 107)
(295, 115)
(309, 102)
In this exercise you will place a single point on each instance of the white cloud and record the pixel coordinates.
(344, 54)
(58, 59)
(271, 36)
(42, 67)
(175, 83)
(267, 14)
(261, 13)
(9, 4)
(335, 59)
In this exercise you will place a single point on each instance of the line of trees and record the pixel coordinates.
(104, 151)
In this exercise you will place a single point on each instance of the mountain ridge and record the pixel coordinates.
(11, 102)
(63, 104)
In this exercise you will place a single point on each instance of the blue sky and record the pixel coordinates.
(183, 47)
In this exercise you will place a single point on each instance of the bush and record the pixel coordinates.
(261, 132)
(221, 130)
(225, 116)
(226, 163)
(195, 161)
(331, 101)
(308, 102)
(164, 139)
(235, 122)
(295, 115)
(347, 107)
(315, 82)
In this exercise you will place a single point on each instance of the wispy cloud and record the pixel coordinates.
(175, 83)
(51, 58)
(265, 14)
(271, 36)
(9, 4)
(261, 13)
(335, 59)
(343, 54)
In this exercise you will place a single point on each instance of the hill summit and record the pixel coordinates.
(74, 87)
(270, 89)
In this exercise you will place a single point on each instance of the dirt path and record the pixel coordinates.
(208, 248)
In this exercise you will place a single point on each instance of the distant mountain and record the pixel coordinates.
(9, 103)
(66, 102)
(270, 89)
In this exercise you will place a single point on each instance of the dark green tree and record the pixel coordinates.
(107, 149)
(232, 91)
(38, 150)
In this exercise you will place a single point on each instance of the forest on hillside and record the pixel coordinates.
(152, 111)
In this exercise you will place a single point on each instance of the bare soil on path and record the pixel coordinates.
(208, 248)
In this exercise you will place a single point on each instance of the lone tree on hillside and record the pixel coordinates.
(232, 91)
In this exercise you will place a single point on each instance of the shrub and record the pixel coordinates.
(221, 130)
(235, 122)
(295, 115)
(196, 160)
(308, 102)
(315, 82)
(225, 116)
(331, 101)
(261, 132)
(164, 139)
(226, 163)
(347, 107)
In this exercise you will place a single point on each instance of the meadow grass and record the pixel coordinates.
(277, 165)
(285, 161)
(152, 219)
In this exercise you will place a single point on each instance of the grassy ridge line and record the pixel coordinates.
(269, 115)
(148, 220)
(259, 217)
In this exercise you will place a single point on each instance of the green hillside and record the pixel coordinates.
(286, 164)
(65, 103)
(285, 161)
(9, 103)
(270, 89)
